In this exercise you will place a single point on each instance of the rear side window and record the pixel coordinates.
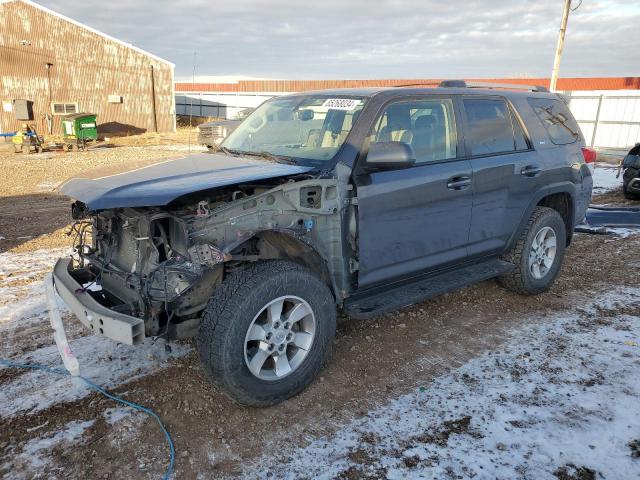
(557, 119)
(490, 127)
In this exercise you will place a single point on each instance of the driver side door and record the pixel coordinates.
(415, 219)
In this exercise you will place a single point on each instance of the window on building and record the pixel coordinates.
(557, 119)
(64, 108)
(427, 125)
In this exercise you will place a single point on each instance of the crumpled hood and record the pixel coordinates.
(160, 183)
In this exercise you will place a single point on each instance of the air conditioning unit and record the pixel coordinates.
(23, 109)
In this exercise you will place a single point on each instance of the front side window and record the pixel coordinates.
(557, 119)
(308, 130)
(427, 125)
(490, 128)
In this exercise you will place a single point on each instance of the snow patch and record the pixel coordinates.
(604, 179)
(35, 453)
(561, 394)
(22, 293)
(114, 415)
(27, 265)
(103, 361)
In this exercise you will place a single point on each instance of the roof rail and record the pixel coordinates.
(420, 84)
(490, 85)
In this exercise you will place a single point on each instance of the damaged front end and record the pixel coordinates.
(142, 260)
(150, 271)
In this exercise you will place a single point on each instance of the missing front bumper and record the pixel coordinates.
(102, 320)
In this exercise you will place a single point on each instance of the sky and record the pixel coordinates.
(362, 39)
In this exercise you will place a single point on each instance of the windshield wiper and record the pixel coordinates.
(227, 152)
(271, 156)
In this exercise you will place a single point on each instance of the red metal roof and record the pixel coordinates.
(566, 84)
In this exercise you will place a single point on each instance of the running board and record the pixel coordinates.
(378, 301)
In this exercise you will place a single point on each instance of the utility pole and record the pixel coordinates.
(560, 46)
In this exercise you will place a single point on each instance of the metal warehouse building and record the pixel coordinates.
(63, 67)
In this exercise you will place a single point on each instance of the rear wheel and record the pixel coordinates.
(538, 255)
(267, 331)
(628, 195)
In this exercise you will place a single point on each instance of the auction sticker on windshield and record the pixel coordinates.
(341, 103)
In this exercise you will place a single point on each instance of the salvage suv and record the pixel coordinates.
(358, 200)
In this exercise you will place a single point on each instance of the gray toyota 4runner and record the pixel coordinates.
(358, 200)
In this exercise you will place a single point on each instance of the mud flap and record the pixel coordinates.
(68, 358)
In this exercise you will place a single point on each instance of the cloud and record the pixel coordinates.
(372, 39)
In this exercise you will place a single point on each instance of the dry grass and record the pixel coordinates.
(180, 136)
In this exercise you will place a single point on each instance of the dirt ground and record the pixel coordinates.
(373, 360)
(33, 215)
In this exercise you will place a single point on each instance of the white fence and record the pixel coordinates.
(218, 104)
(609, 120)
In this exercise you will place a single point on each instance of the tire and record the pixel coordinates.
(522, 279)
(628, 195)
(235, 307)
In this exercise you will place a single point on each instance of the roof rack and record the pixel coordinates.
(490, 85)
(420, 84)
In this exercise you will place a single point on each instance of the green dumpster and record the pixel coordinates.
(79, 129)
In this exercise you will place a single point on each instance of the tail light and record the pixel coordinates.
(589, 155)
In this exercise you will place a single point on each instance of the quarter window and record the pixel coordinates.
(557, 119)
(490, 127)
(427, 125)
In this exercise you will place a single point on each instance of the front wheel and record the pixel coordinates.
(538, 255)
(267, 331)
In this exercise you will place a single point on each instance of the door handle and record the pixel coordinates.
(530, 171)
(458, 183)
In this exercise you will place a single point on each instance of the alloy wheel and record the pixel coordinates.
(279, 338)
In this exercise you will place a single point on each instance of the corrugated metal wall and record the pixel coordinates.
(86, 69)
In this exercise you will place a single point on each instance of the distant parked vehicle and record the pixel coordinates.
(212, 133)
(631, 173)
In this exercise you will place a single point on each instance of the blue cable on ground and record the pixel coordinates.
(115, 398)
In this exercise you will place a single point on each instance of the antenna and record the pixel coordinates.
(193, 87)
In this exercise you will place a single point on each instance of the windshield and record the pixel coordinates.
(300, 129)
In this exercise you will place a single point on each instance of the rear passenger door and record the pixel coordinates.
(506, 171)
(417, 218)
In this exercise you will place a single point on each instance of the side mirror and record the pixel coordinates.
(390, 156)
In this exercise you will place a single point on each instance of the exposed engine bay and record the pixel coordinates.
(161, 264)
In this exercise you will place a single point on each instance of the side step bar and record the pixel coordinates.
(378, 301)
